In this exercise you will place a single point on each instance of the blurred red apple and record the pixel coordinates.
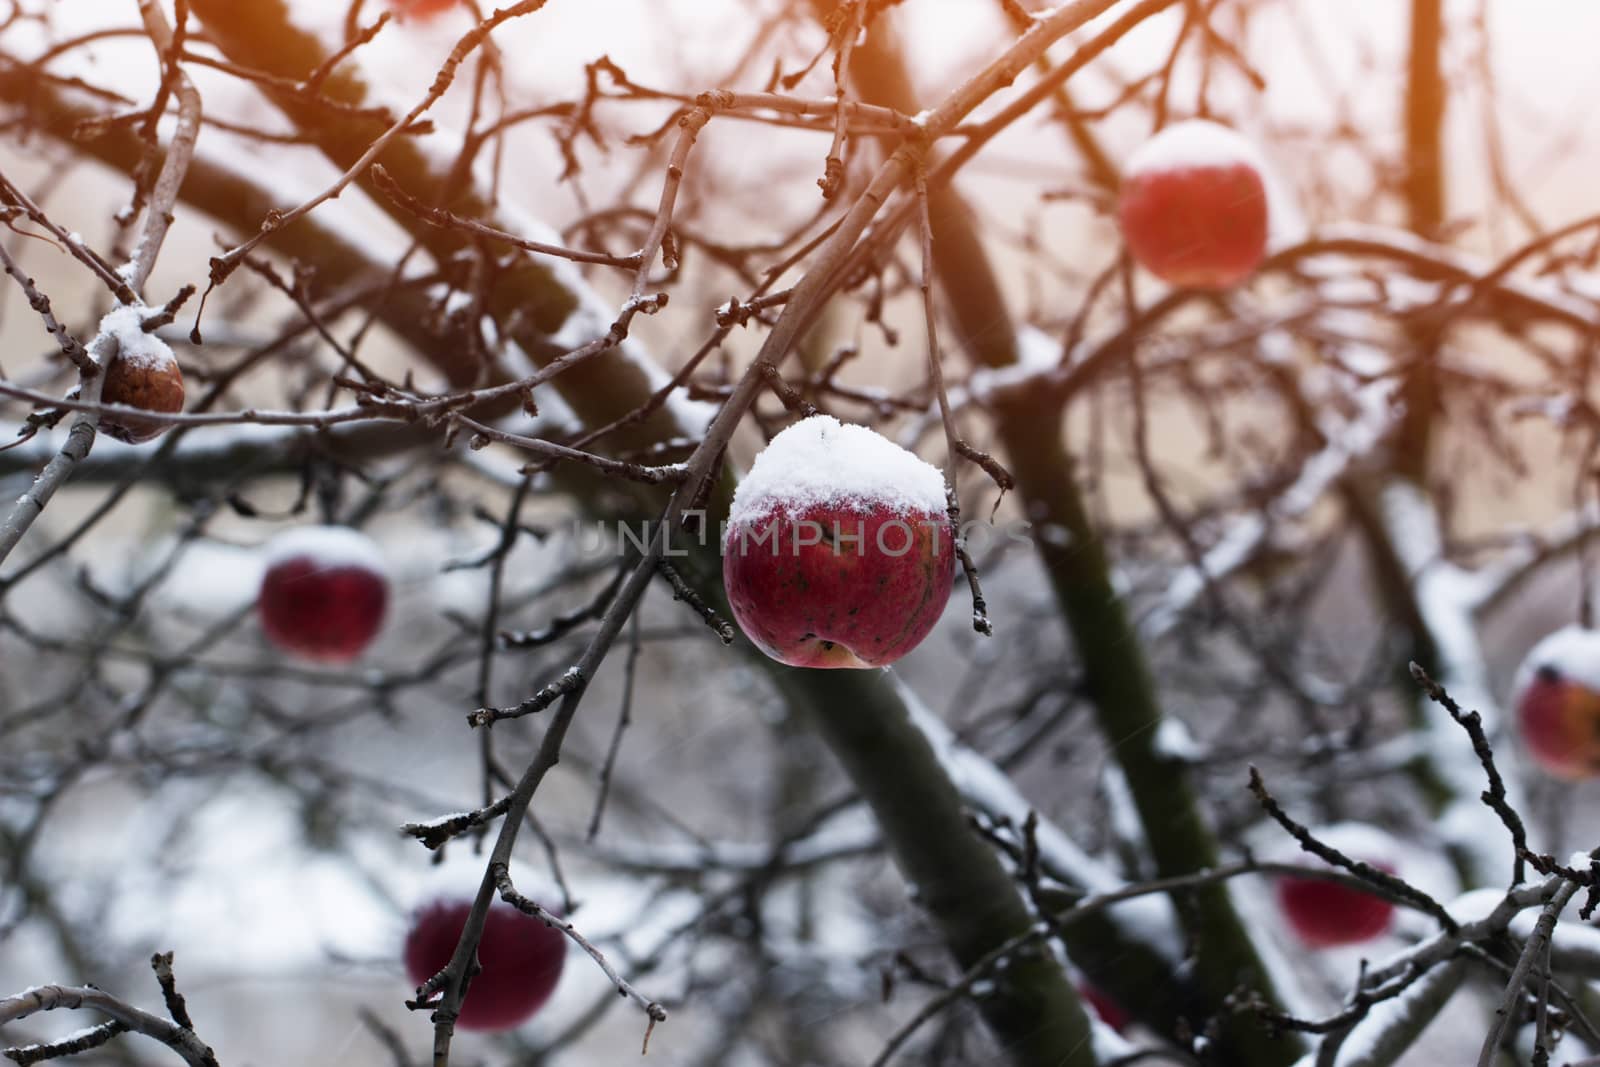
(521, 959)
(324, 594)
(1108, 1010)
(421, 9)
(1558, 703)
(1193, 206)
(142, 374)
(838, 550)
(1324, 913)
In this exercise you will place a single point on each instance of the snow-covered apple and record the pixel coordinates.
(520, 955)
(1193, 206)
(143, 374)
(838, 550)
(1558, 702)
(1325, 913)
(324, 593)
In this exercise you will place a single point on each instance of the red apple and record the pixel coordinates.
(142, 374)
(521, 959)
(1193, 206)
(1106, 1009)
(324, 593)
(1325, 913)
(1558, 703)
(838, 550)
(421, 9)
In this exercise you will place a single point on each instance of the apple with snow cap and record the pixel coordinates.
(143, 374)
(324, 593)
(838, 550)
(1324, 913)
(1193, 206)
(520, 955)
(1558, 703)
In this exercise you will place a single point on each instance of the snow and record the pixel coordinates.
(1255, 904)
(1053, 533)
(1446, 595)
(1382, 1035)
(29, 993)
(136, 348)
(1364, 842)
(988, 788)
(1174, 741)
(1538, 291)
(592, 317)
(327, 547)
(1572, 650)
(821, 461)
(1576, 946)
(851, 829)
(21, 1054)
(1286, 220)
(612, 909)
(1109, 1046)
(294, 908)
(458, 301)
(810, 954)
(1038, 356)
(1193, 145)
(1471, 831)
(210, 578)
(1148, 920)
(1123, 812)
(1475, 905)
(1349, 441)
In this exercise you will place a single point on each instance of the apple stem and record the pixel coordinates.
(955, 444)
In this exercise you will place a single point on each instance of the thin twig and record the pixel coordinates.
(1495, 796)
(508, 893)
(624, 718)
(1392, 885)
